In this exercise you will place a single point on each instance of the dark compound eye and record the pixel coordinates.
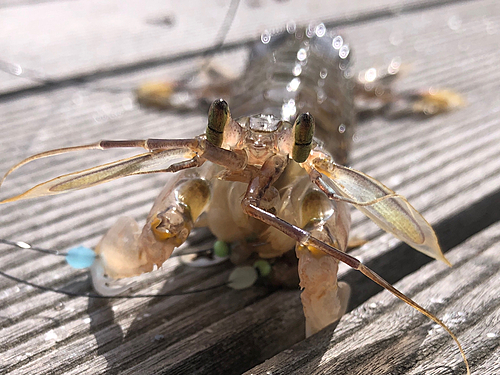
(218, 117)
(303, 132)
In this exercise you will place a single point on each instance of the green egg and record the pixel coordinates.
(221, 249)
(263, 266)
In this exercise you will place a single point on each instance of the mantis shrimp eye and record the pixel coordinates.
(303, 132)
(218, 116)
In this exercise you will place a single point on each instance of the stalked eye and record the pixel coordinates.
(303, 132)
(218, 116)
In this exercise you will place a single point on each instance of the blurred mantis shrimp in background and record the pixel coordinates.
(267, 176)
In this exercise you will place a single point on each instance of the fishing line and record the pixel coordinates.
(90, 295)
(81, 257)
(26, 246)
(42, 78)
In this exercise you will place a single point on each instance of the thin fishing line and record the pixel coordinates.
(98, 296)
(220, 39)
(36, 76)
(39, 77)
(226, 24)
(26, 246)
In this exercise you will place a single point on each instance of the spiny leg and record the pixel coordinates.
(250, 205)
(423, 102)
(184, 95)
(323, 300)
(186, 164)
(374, 93)
(373, 88)
(219, 82)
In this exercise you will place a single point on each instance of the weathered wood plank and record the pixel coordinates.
(98, 36)
(446, 165)
(396, 340)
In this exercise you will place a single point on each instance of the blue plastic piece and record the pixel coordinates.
(80, 257)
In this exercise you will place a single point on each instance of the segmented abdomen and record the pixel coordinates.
(297, 71)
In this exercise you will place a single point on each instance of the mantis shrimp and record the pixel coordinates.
(264, 182)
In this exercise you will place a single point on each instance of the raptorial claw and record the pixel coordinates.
(388, 210)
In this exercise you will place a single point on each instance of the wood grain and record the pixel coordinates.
(448, 166)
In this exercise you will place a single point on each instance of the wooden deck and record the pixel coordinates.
(73, 66)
